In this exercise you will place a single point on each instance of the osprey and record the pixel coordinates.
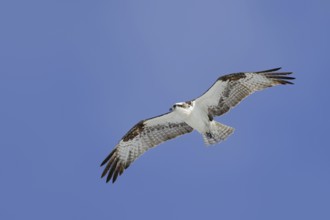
(184, 117)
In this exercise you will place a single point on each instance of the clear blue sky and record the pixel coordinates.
(76, 75)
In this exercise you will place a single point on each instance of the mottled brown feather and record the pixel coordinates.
(140, 133)
(233, 88)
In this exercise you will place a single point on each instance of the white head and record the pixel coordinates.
(184, 107)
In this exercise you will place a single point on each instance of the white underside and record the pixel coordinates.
(195, 117)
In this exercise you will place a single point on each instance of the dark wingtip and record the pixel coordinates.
(107, 158)
(284, 82)
(103, 173)
(111, 169)
(280, 77)
(104, 161)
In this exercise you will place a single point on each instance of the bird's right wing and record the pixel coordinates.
(143, 136)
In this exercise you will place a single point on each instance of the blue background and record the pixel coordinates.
(76, 75)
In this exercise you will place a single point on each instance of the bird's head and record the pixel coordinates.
(182, 106)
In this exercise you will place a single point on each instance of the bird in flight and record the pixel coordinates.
(184, 117)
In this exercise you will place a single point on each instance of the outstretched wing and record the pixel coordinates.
(230, 89)
(143, 136)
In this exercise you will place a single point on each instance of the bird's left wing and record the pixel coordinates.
(230, 89)
(143, 136)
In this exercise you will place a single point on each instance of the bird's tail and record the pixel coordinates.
(218, 132)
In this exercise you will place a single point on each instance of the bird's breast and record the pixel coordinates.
(198, 120)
